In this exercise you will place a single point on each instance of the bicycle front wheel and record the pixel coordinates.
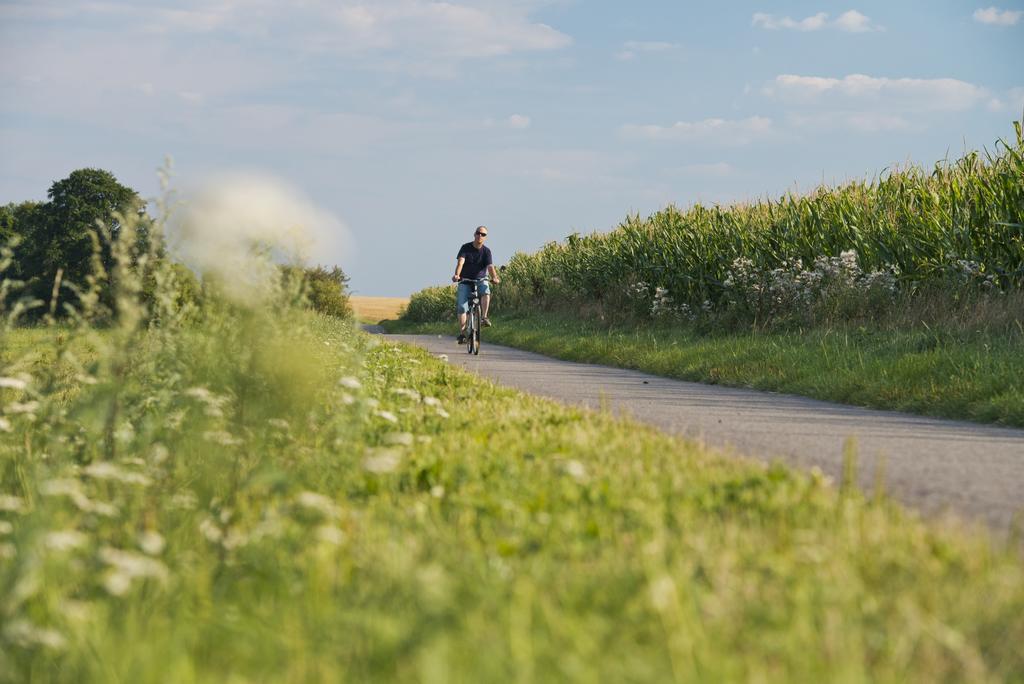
(472, 326)
(477, 317)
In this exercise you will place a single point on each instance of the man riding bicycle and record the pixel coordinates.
(472, 263)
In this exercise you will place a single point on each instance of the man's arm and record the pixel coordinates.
(458, 269)
(494, 273)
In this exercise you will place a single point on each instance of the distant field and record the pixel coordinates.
(374, 309)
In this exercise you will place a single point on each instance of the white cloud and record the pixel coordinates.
(714, 131)
(518, 121)
(422, 27)
(997, 17)
(853, 21)
(903, 93)
(772, 23)
(850, 21)
(1012, 101)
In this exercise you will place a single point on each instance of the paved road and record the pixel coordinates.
(933, 465)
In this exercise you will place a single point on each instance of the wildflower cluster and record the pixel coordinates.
(791, 289)
(971, 273)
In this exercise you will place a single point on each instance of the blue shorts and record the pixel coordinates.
(462, 295)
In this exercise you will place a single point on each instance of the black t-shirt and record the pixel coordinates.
(477, 261)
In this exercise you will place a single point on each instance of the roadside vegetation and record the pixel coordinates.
(900, 292)
(223, 489)
(61, 257)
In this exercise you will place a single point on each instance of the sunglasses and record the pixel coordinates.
(481, 234)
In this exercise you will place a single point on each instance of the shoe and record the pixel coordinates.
(487, 322)
(461, 339)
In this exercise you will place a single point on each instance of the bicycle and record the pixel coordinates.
(475, 316)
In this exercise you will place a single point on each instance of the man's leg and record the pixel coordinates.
(485, 303)
(461, 306)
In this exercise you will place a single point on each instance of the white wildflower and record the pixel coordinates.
(431, 401)
(372, 403)
(200, 393)
(235, 539)
(319, 503)
(442, 413)
(185, 500)
(127, 566)
(125, 433)
(28, 407)
(408, 393)
(7, 551)
(576, 470)
(152, 542)
(5, 425)
(279, 423)
(443, 357)
(133, 461)
(663, 592)
(13, 383)
(437, 491)
(6, 527)
(213, 403)
(29, 635)
(221, 437)
(382, 460)
(11, 504)
(387, 415)
(350, 382)
(73, 490)
(104, 470)
(347, 399)
(117, 583)
(399, 439)
(330, 535)
(75, 611)
(65, 540)
(209, 529)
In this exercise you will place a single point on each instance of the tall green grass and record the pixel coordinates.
(960, 224)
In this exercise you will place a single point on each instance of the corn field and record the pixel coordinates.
(961, 223)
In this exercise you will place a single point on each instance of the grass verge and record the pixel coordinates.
(953, 373)
(367, 512)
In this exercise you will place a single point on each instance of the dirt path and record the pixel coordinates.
(933, 465)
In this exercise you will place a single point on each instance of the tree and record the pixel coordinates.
(7, 223)
(325, 290)
(58, 234)
(77, 204)
(22, 221)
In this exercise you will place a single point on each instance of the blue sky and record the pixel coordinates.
(412, 121)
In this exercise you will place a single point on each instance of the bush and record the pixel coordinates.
(324, 290)
(432, 305)
(327, 291)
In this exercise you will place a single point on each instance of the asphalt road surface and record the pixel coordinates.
(936, 466)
